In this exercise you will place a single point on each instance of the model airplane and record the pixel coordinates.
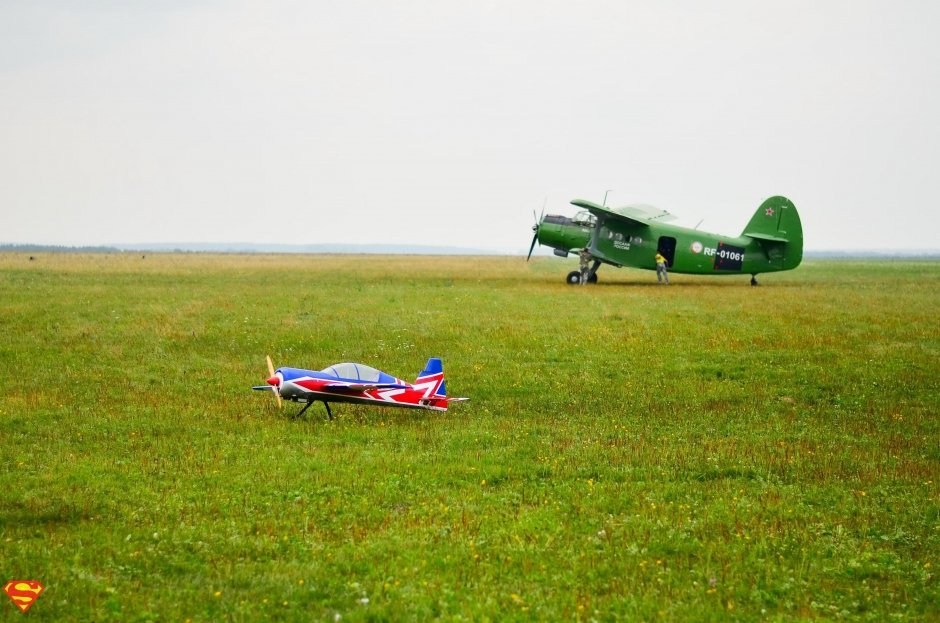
(358, 383)
(632, 236)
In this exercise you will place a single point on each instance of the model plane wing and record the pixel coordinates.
(360, 387)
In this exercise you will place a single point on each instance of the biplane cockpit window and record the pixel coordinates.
(585, 218)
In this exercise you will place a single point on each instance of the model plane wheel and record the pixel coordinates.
(753, 280)
(573, 278)
(592, 278)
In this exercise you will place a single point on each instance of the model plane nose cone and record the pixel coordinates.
(274, 381)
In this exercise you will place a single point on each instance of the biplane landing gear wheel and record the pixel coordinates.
(753, 280)
(592, 278)
(573, 278)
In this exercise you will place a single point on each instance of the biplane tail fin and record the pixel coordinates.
(776, 225)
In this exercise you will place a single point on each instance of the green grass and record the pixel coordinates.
(707, 451)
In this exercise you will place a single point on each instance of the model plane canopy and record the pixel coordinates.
(358, 372)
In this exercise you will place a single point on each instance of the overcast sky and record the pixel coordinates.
(447, 123)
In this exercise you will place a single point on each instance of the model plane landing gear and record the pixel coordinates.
(301, 412)
(307, 406)
(754, 280)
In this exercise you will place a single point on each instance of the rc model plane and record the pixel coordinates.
(632, 235)
(359, 383)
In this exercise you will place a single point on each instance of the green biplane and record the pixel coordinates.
(634, 234)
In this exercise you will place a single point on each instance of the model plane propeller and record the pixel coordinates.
(361, 384)
(633, 235)
(272, 375)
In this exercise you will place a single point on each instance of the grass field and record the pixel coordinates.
(705, 451)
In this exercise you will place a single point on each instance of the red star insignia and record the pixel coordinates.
(769, 212)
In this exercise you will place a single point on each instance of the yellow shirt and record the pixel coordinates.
(660, 259)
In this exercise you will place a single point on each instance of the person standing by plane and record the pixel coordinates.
(585, 257)
(661, 275)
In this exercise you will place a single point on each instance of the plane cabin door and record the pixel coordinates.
(667, 247)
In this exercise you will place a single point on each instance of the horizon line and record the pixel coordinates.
(361, 249)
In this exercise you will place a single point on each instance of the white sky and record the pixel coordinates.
(447, 123)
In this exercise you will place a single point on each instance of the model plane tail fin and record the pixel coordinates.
(432, 377)
(776, 225)
(432, 368)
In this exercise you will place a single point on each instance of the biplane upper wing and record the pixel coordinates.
(641, 215)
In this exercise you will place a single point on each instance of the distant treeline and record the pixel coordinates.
(49, 248)
(388, 249)
(903, 254)
(245, 247)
